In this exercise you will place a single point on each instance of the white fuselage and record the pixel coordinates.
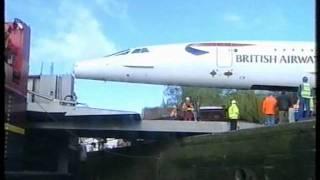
(239, 65)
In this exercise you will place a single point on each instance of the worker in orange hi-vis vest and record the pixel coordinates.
(269, 108)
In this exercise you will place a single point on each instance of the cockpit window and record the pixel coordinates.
(136, 51)
(142, 50)
(119, 53)
(122, 53)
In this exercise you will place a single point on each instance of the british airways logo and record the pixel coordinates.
(275, 59)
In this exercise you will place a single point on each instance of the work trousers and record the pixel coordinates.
(283, 117)
(311, 113)
(269, 120)
(297, 115)
(304, 108)
(188, 116)
(233, 124)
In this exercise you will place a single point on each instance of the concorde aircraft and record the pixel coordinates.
(236, 65)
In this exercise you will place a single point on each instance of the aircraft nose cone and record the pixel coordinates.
(91, 69)
(76, 69)
(84, 70)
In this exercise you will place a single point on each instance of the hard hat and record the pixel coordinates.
(187, 99)
(304, 79)
(233, 101)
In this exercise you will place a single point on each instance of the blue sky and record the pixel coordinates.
(67, 31)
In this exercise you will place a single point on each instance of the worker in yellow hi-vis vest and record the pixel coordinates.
(233, 114)
(304, 98)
